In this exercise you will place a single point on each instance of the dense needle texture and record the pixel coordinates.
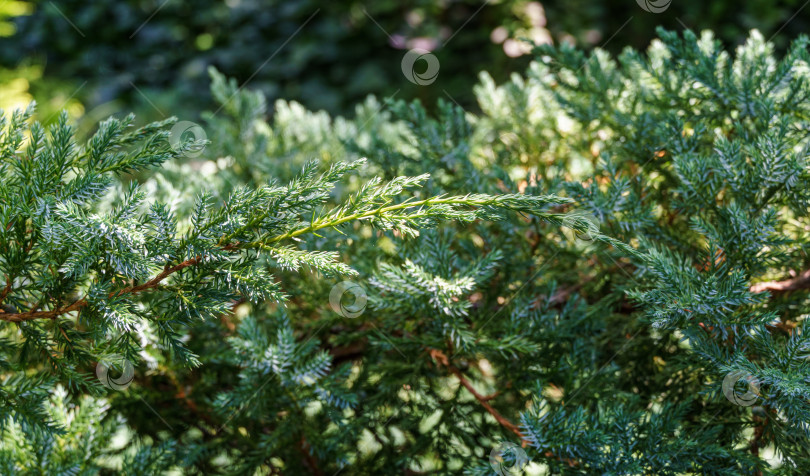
(605, 268)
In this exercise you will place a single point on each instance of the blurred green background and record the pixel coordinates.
(150, 56)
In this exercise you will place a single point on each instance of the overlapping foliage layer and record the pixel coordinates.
(576, 270)
(329, 54)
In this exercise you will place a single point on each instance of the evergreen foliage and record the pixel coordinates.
(595, 270)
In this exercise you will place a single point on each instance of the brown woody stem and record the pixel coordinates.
(152, 283)
(801, 281)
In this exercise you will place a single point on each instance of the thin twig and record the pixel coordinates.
(484, 401)
(801, 281)
(152, 283)
(440, 358)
